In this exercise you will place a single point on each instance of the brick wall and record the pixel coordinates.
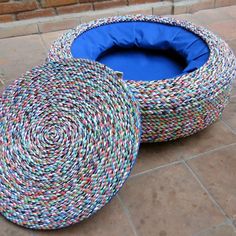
(11, 10)
(14, 10)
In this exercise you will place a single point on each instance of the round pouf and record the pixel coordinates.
(70, 134)
(171, 107)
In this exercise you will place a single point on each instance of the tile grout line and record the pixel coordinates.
(127, 213)
(217, 205)
(38, 28)
(228, 126)
(44, 45)
(233, 225)
(1, 82)
(210, 151)
(225, 222)
(231, 222)
(156, 168)
(1, 77)
(182, 160)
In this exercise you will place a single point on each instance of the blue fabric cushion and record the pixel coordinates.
(143, 51)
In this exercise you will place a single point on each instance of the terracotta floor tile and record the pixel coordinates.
(229, 115)
(152, 155)
(169, 202)
(9, 229)
(222, 230)
(230, 10)
(232, 44)
(109, 221)
(155, 154)
(164, 202)
(233, 92)
(188, 17)
(2, 86)
(49, 38)
(217, 172)
(207, 17)
(20, 54)
(225, 29)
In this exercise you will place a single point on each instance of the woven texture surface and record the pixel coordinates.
(173, 108)
(70, 134)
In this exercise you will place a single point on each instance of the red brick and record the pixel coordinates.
(225, 29)
(75, 8)
(109, 4)
(6, 18)
(142, 1)
(86, 1)
(34, 14)
(55, 3)
(13, 7)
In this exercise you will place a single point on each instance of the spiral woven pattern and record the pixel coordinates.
(70, 134)
(173, 108)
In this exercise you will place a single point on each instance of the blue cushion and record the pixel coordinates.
(143, 51)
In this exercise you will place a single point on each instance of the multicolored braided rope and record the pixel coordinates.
(70, 134)
(172, 108)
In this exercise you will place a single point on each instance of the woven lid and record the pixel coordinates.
(70, 134)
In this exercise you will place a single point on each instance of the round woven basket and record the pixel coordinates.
(70, 134)
(172, 108)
